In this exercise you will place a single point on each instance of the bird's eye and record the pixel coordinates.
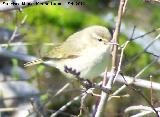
(99, 39)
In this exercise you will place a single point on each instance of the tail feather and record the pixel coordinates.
(34, 62)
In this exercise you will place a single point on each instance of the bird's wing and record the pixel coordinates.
(56, 53)
(71, 48)
(68, 49)
(63, 52)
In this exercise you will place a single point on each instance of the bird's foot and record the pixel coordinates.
(72, 71)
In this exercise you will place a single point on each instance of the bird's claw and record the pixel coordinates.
(72, 71)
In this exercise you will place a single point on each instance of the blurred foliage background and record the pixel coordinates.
(53, 24)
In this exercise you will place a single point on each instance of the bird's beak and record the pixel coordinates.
(113, 43)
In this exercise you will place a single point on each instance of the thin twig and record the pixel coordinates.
(145, 110)
(8, 109)
(120, 61)
(143, 51)
(57, 93)
(139, 82)
(65, 106)
(124, 6)
(13, 34)
(36, 108)
(82, 108)
(151, 90)
(16, 29)
(15, 44)
(154, 30)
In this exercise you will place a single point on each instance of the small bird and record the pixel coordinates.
(87, 53)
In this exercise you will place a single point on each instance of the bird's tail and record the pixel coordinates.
(34, 62)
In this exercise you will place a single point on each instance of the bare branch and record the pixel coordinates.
(65, 106)
(145, 110)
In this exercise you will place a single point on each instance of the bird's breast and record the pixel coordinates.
(90, 63)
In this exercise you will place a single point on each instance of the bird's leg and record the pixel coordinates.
(72, 71)
(84, 82)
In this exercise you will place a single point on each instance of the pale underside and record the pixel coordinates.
(91, 64)
(81, 53)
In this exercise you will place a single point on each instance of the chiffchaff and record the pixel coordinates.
(87, 51)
